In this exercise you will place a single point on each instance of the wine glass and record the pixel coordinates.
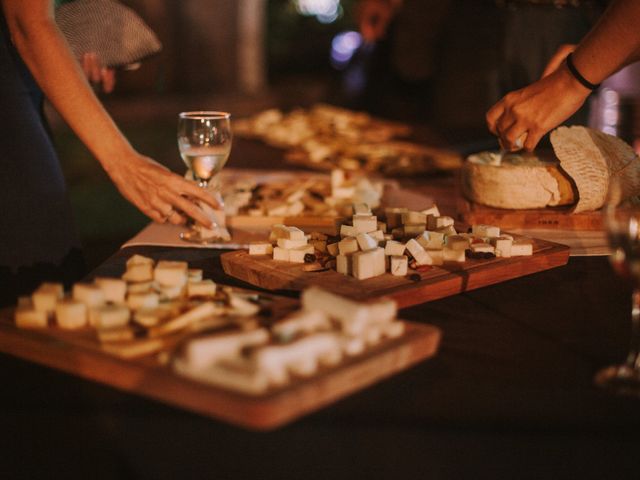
(204, 141)
(622, 225)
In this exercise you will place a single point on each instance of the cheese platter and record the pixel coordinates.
(254, 360)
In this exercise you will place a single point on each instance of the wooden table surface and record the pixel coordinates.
(509, 395)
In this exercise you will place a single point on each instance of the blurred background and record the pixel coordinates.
(244, 56)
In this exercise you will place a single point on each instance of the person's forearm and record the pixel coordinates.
(48, 57)
(612, 44)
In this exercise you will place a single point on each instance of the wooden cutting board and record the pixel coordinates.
(560, 218)
(78, 353)
(438, 282)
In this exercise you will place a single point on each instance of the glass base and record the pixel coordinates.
(620, 379)
(194, 236)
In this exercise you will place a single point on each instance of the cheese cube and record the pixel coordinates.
(294, 233)
(333, 249)
(194, 274)
(361, 209)
(46, 296)
(433, 211)
(521, 247)
(139, 259)
(502, 246)
(365, 223)
(29, 317)
(281, 254)
(436, 255)
(136, 301)
(413, 218)
(109, 316)
(138, 272)
(261, 248)
(289, 244)
(343, 264)
(399, 265)
(451, 255)
(369, 264)
(203, 288)
(457, 242)
(170, 273)
(440, 222)
(295, 208)
(348, 231)
(413, 230)
(319, 245)
(394, 216)
(278, 230)
(482, 248)
(71, 314)
(393, 248)
(172, 292)
(89, 294)
(348, 245)
(448, 230)
(142, 287)
(414, 248)
(114, 289)
(378, 235)
(366, 242)
(488, 231)
(296, 255)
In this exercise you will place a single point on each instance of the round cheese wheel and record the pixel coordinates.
(516, 181)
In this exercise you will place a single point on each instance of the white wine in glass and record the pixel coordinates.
(204, 141)
(622, 224)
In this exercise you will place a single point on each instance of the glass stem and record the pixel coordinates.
(633, 359)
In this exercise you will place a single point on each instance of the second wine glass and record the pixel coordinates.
(204, 141)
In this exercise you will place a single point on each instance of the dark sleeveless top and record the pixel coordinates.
(37, 232)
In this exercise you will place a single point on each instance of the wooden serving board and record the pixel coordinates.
(437, 282)
(78, 353)
(559, 218)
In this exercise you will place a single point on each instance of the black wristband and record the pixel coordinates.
(578, 76)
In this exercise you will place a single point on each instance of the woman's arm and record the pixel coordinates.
(150, 186)
(613, 43)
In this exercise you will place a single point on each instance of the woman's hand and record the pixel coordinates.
(534, 110)
(97, 74)
(157, 192)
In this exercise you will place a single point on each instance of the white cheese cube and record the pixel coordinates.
(440, 222)
(136, 301)
(194, 274)
(89, 294)
(289, 244)
(171, 273)
(451, 255)
(361, 209)
(294, 233)
(114, 289)
(413, 218)
(343, 264)
(296, 255)
(278, 230)
(29, 317)
(399, 265)
(71, 314)
(378, 235)
(393, 216)
(343, 192)
(138, 272)
(448, 230)
(365, 223)
(458, 242)
(393, 248)
(415, 249)
(413, 230)
(482, 247)
(172, 292)
(521, 247)
(261, 248)
(281, 254)
(435, 240)
(488, 231)
(502, 246)
(139, 259)
(203, 288)
(366, 242)
(45, 297)
(348, 231)
(141, 287)
(433, 211)
(369, 264)
(348, 245)
(295, 208)
(109, 316)
(333, 249)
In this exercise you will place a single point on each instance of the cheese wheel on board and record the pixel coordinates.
(516, 181)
